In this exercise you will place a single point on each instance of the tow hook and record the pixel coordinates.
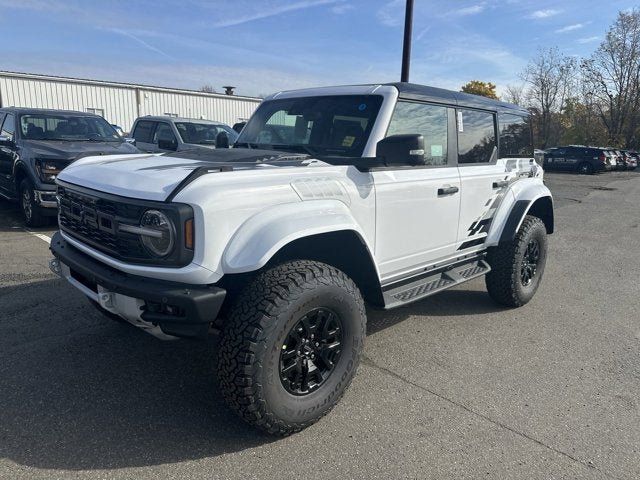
(54, 266)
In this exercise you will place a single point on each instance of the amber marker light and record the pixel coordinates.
(188, 234)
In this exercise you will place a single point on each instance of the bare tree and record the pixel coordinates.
(208, 89)
(515, 94)
(613, 73)
(550, 77)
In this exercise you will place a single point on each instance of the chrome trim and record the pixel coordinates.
(147, 232)
(45, 203)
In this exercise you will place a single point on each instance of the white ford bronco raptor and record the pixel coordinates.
(332, 198)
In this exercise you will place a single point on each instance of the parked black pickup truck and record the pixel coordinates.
(36, 144)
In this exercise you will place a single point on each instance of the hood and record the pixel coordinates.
(74, 150)
(156, 176)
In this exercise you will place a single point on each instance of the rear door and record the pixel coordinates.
(417, 207)
(482, 177)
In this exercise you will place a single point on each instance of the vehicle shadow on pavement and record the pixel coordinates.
(449, 303)
(79, 391)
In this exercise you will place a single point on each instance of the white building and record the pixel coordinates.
(120, 103)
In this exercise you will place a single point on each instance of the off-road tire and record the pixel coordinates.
(504, 280)
(260, 320)
(30, 210)
(585, 168)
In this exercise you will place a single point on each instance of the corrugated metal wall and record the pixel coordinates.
(120, 101)
(227, 110)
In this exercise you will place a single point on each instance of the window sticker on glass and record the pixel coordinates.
(460, 124)
(348, 141)
(436, 150)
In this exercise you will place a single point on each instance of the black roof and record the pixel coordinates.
(413, 91)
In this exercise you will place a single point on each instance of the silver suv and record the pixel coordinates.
(165, 133)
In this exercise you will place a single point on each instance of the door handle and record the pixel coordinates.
(501, 184)
(447, 191)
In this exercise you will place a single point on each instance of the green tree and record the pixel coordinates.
(476, 87)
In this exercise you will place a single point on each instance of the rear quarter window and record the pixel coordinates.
(515, 136)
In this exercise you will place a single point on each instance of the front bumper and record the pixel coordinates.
(164, 309)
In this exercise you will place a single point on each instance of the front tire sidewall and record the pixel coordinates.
(585, 169)
(302, 409)
(34, 218)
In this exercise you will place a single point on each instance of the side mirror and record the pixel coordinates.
(222, 140)
(406, 149)
(167, 144)
(6, 141)
(130, 140)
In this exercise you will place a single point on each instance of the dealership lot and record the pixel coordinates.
(450, 387)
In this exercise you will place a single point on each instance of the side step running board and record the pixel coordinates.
(396, 296)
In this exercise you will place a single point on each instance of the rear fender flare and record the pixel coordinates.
(522, 197)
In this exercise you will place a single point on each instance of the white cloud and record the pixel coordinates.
(273, 12)
(391, 14)
(138, 40)
(471, 10)
(570, 28)
(342, 8)
(588, 39)
(546, 13)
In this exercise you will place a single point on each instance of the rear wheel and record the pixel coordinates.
(33, 217)
(291, 345)
(585, 168)
(517, 266)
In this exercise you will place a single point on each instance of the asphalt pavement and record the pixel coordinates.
(450, 387)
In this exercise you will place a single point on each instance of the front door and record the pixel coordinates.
(417, 208)
(143, 134)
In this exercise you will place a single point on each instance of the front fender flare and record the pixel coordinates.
(260, 237)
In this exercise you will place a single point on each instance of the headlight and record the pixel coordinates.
(161, 242)
(48, 170)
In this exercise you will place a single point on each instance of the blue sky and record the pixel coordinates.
(270, 45)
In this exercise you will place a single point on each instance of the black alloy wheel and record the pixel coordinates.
(529, 266)
(310, 351)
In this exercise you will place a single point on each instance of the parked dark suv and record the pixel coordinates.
(36, 144)
(585, 160)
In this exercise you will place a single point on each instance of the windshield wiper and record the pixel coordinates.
(245, 145)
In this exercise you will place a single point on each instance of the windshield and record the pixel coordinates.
(67, 128)
(330, 125)
(203, 133)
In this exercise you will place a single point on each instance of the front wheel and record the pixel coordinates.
(30, 209)
(291, 345)
(517, 266)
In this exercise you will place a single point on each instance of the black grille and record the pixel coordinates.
(94, 220)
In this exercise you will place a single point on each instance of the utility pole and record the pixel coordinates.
(406, 48)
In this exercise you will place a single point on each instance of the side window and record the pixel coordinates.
(429, 120)
(515, 136)
(163, 131)
(9, 126)
(476, 136)
(143, 132)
